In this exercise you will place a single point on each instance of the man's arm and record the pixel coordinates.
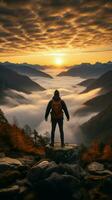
(48, 110)
(64, 107)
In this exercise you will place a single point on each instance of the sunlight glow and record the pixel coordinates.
(58, 61)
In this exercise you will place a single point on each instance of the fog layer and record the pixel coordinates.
(33, 112)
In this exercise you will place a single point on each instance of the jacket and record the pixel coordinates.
(49, 109)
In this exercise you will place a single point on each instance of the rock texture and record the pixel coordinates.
(69, 153)
(69, 179)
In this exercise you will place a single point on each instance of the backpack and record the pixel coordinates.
(57, 109)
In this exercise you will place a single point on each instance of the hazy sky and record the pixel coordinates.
(56, 32)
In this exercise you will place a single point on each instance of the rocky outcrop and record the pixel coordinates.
(9, 161)
(68, 154)
(47, 179)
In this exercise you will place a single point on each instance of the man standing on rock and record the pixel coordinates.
(56, 106)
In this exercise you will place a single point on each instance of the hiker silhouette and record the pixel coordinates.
(55, 107)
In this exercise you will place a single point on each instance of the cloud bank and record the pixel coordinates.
(32, 112)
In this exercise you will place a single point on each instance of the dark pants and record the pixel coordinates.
(54, 122)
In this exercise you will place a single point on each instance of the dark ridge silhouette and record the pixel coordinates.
(99, 127)
(10, 79)
(100, 102)
(104, 82)
(87, 82)
(25, 69)
(87, 70)
(97, 104)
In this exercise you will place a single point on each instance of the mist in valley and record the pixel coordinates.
(32, 110)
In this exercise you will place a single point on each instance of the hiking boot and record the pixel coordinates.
(63, 145)
(51, 145)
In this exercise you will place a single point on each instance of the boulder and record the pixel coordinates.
(9, 171)
(68, 154)
(37, 171)
(58, 186)
(95, 167)
(45, 169)
(2, 154)
(74, 169)
(10, 161)
(106, 186)
(9, 177)
(10, 192)
(29, 160)
(7, 163)
(69, 169)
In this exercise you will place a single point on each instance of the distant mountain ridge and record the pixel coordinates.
(87, 82)
(99, 127)
(87, 70)
(104, 82)
(104, 97)
(97, 104)
(26, 69)
(10, 79)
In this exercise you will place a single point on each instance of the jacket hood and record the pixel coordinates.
(56, 98)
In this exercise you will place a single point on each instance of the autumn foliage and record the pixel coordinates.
(96, 151)
(14, 138)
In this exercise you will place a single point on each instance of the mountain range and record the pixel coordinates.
(17, 77)
(104, 82)
(87, 70)
(11, 80)
(26, 69)
(97, 104)
(104, 97)
(99, 127)
(87, 82)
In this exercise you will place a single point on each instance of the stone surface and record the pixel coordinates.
(2, 154)
(70, 153)
(29, 160)
(95, 167)
(8, 177)
(58, 186)
(10, 161)
(9, 193)
(37, 172)
(59, 177)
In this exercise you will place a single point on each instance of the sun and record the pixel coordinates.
(58, 61)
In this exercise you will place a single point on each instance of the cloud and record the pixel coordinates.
(16, 2)
(31, 25)
(35, 104)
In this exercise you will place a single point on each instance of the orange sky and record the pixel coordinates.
(60, 60)
(55, 32)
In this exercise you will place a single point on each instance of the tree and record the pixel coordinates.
(35, 135)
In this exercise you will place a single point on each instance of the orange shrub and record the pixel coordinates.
(92, 153)
(107, 152)
(15, 138)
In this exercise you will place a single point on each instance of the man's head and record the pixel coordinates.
(56, 93)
